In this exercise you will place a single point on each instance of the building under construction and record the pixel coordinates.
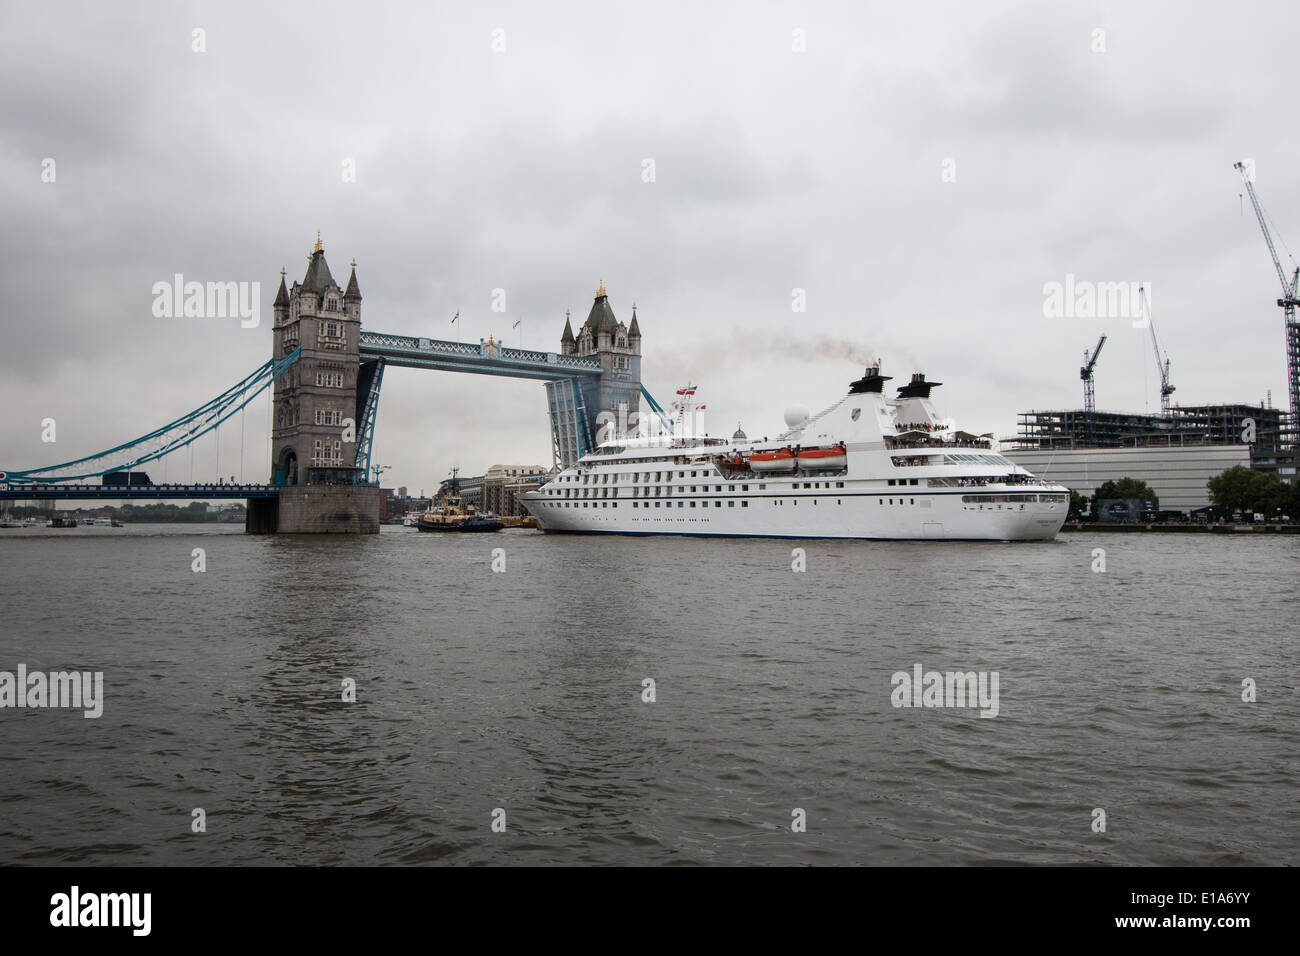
(1183, 425)
(1176, 454)
(1177, 451)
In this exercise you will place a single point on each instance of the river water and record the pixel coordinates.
(518, 696)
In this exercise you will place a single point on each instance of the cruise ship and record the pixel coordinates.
(869, 467)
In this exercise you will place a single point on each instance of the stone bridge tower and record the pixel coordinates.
(314, 429)
(614, 401)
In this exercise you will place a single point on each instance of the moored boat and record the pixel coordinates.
(454, 515)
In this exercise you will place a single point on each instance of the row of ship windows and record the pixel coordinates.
(644, 504)
(743, 487)
(635, 476)
(667, 490)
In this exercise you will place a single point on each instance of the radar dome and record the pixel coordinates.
(796, 415)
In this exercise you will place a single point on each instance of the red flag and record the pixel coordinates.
(454, 318)
(516, 325)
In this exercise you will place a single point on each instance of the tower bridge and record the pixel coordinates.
(326, 374)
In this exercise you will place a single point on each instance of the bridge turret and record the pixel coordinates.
(568, 345)
(352, 297)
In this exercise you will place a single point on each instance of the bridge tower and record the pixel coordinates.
(315, 426)
(608, 407)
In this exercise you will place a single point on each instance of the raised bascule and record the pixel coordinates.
(326, 374)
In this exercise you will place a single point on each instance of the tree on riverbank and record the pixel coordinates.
(1243, 489)
(1125, 488)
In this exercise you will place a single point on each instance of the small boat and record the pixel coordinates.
(781, 460)
(733, 465)
(833, 457)
(455, 516)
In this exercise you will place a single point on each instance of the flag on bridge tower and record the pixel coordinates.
(454, 318)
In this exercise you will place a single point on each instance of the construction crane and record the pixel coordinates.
(1085, 373)
(1162, 359)
(1288, 302)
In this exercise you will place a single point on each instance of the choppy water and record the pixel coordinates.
(523, 690)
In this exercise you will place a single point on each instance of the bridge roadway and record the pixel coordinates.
(480, 357)
(46, 491)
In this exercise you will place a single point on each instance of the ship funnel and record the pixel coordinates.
(918, 387)
(872, 381)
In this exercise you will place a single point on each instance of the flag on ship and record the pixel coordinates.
(516, 325)
(454, 318)
(687, 390)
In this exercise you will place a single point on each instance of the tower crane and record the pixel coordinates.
(1288, 302)
(1085, 373)
(1166, 388)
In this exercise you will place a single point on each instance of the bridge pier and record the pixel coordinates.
(327, 509)
(261, 516)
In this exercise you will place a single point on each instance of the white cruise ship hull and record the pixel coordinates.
(783, 512)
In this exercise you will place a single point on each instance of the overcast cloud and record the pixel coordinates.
(522, 170)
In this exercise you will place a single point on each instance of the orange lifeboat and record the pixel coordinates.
(781, 460)
(833, 457)
(730, 465)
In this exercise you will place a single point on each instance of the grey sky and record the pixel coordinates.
(521, 170)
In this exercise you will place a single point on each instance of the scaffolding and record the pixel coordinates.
(1184, 425)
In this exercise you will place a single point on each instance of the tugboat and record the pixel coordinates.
(455, 516)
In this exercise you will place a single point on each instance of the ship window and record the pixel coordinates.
(914, 481)
(838, 502)
(744, 487)
(744, 504)
(891, 481)
(911, 500)
(692, 474)
(679, 504)
(731, 504)
(839, 484)
(760, 487)
(692, 488)
(717, 487)
(718, 504)
(656, 504)
(681, 474)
